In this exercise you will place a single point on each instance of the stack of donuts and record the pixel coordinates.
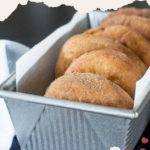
(101, 65)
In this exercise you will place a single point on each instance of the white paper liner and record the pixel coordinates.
(142, 89)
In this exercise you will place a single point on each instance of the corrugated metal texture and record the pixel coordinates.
(130, 138)
(137, 127)
(63, 129)
(110, 129)
(68, 129)
(24, 116)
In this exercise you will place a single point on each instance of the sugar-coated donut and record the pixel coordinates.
(130, 38)
(82, 43)
(132, 11)
(89, 88)
(113, 65)
(139, 24)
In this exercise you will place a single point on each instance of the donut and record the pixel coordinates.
(130, 38)
(140, 24)
(83, 43)
(89, 88)
(132, 11)
(113, 65)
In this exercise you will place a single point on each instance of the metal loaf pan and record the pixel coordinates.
(52, 124)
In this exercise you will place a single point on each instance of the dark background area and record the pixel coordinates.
(31, 23)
